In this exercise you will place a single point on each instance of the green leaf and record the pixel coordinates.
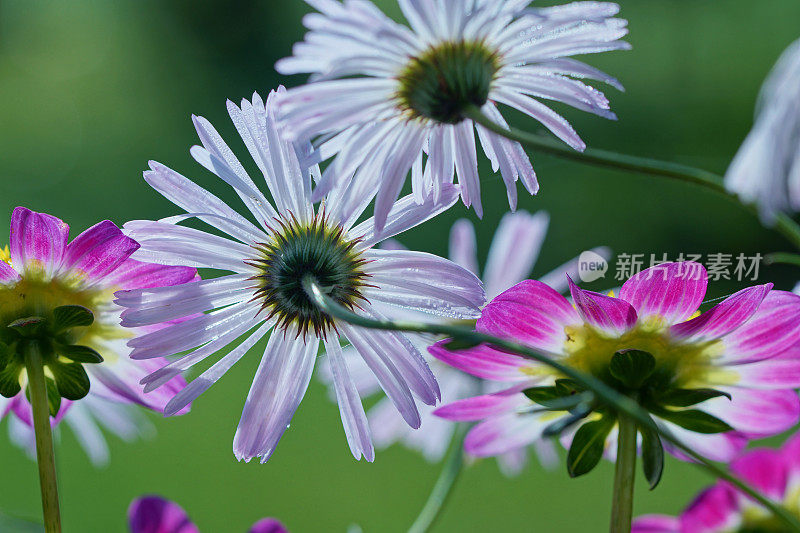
(652, 453)
(28, 327)
(567, 386)
(588, 446)
(53, 397)
(9, 380)
(71, 316)
(578, 414)
(695, 420)
(632, 367)
(460, 344)
(79, 354)
(71, 380)
(551, 399)
(689, 397)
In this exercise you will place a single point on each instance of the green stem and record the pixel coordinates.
(621, 403)
(45, 456)
(444, 484)
(639, 165)
(624, 477)
(782, 258)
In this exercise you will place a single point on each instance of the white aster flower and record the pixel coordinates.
(263, 291)
(766, 169)
(512, 255)
(384, 94)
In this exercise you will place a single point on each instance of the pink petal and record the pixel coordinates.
(715, 509)
(154, 514)
(763, 469)
(671, 291)
(480, 407)
(134, 274)
(762, 412)
(268, 525)
(483, 362)
(98, 251)
(37, 240)
(532, 313)
(502, 434)
(655, 523)
(7, 273)
(774, 328)
(723, 317)
(612, 315)
(779, 372)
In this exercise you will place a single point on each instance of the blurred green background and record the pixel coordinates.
(90, 90)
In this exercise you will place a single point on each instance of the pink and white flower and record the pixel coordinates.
(43, 270)
(262, 289)
(387, 98)
(722, 508)
(747, 346)
(512, 255)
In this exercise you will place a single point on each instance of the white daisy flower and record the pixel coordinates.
(386, 97)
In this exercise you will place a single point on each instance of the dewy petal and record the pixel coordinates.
(98, 251)
(484, 362)
(37, 241)
(278, 387)
(154, 514)
(354, 419)
(463, 245)
(671, 292)
(514, 250)
(724, 317)
(612, 315)
(715, 509)
(531, 313)
(774, 328)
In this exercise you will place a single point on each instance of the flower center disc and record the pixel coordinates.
(299, 250)
(445, 80)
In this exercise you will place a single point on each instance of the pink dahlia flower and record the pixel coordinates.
(41, 271)
(154, 514)
(715, 380)
(722, 508)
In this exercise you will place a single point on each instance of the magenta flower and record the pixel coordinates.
(713, 379)
(154, 514)
(512, 255)
(43, 271)
(261, 289)
(385, 97)
(722, 508)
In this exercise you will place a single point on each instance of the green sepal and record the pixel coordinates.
(71, 380)
(29, 327)
(71, 316)
(588, 446)
(53, 397)
(632, 367)
(567, 386)
(694, 420)
(9, 379)
(455, 345)
(576, 415)
(79, 354)
(652, 453)
(551, 399)
(689, 397)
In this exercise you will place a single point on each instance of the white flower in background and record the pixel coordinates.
(512, 255)
(766, 169)
(383, 95)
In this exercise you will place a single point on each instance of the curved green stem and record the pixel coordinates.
(444, 484)
(640, 165)
(45, 456)
(624, 477)
(621, 403)
(782, 258)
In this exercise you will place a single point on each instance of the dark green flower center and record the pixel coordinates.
(445, 80)
(296, 251)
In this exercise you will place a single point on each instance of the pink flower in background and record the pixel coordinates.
(261, 291)
(721, 508)
(41, 271)
(513, 254)
(384, 95)
(154, 514)
(746, 348)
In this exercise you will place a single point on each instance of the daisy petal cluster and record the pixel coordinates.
(154, 514)
(47, 282)
(512, 255)
(387, 98)
(721, 508)
(766, 169)
(265, 264)
(713, 379)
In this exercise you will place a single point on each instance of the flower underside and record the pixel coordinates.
(445, 80)
(297, 250)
